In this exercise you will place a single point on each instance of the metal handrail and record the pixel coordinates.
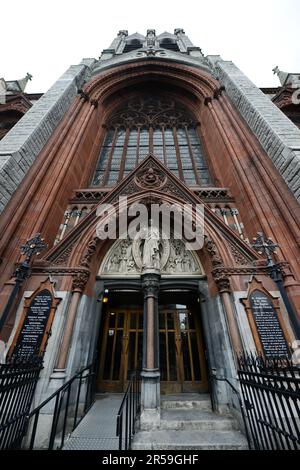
(241, 404)
(59, 395)
(130, 405)
(17, 387)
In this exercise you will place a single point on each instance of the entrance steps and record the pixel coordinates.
(187, 423)
(187, 401)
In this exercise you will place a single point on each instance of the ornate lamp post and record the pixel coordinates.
(33, 246)
(267, 247)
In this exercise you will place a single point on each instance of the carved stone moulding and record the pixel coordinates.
(229, 271)
(89, 252)
(239, 257)
(150, 177)
(90, 196)
(156, 111)
(79, 275)
(213, 252)
(62, 258)
(214, 194)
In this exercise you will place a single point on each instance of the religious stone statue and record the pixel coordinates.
(151, 249)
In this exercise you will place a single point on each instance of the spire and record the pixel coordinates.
(281, 75)
(18, 85)
(23, 82)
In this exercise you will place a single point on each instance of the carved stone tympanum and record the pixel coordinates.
(133, 256)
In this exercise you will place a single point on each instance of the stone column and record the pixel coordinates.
(292, 287)
(223, 284)
(4, 297)
(79, 282)
(150, 388)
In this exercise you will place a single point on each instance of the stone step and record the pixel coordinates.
(195, 419)
(186, 402)
(189, 440)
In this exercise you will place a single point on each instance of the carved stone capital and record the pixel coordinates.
(94, 103)
(84, 96)
(218, 92)
(79, 281)
(223, 284)
(207, 100)
(150, 284)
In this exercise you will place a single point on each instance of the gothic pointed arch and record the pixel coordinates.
(151, 182)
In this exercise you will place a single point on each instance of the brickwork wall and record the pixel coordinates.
(279, 137)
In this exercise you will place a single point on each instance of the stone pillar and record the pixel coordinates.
(150, 376)
(292, 287)
(223, 284)
(79, 282)
(4, 297)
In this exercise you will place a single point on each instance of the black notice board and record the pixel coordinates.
(33, 329)
(268, 326)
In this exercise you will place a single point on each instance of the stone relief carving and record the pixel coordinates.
(132, 256)
(239, 257)
(151, 249)
(150, 177)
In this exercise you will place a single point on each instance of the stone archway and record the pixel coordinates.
(168, 322)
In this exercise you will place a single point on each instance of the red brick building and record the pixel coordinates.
(156, 121)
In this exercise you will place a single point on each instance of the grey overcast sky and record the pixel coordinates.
(45, 37)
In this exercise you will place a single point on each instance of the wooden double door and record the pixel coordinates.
(182, 361)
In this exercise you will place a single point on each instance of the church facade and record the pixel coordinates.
(153, 122)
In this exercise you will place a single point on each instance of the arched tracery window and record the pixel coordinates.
(151, 125)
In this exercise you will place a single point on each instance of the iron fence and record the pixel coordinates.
(271, 395)
(214, 378)
(66, 407)
(17, 386)
(128, 412)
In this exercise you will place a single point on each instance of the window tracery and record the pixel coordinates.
(152, 125)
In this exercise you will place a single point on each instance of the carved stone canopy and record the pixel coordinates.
(126, 258)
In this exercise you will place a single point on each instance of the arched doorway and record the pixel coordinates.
(120, 345)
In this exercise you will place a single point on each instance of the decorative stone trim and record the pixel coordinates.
(213, 252)
(93, 195)
(80, 279)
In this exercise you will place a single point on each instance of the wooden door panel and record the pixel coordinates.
(182, 361)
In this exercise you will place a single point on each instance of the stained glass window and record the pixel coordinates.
(157, 126)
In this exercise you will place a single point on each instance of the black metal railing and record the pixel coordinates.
(66, 407)
(271, 394)
(214, 377)
(128, 412)
(17, 386)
